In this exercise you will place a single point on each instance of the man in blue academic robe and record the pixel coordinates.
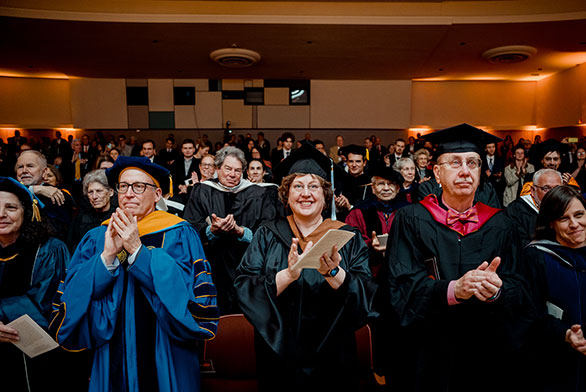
(138, 291)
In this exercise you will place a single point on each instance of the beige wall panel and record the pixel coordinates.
(239, 115)
(360, 104)
(35, 103)
(283, 116)
(208, 109)
(495, 104)
(562, 98)
(258, 83)
(161, 95)
(199, 84)
(137, 82)
(233, 84)
(99, 103)
(138, 117)
(277, 96)
(185, 117)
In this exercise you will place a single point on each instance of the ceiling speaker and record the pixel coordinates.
(235, 57)
(509, 54)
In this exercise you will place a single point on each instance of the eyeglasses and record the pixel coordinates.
(311, 188)
(137, 187)
(207, 165)
(546, 188)
(456, 163)
(228, 169)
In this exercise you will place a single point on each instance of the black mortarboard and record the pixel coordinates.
(158, 173)
(354, 149)
(461, 138)
(27, 199)
(388, 173)
(307, 160)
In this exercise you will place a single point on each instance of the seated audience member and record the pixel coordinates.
(169, 154)
(101, 206)
(549, 153)
(524, 210)
(114, 153)
(183, 168)
(305, 320)
(148, 150)
(374, 216)
(32, 265)
(356, 188)
(58, 205)
(284, 150)
(515, 175)
(138, 290)
(334, 150)
(406, 167)
(104, 162)
(226, 212)
(423, 169)
(256, 171)
(579, 172)
(556, 264)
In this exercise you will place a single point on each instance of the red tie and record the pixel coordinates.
(471, 215)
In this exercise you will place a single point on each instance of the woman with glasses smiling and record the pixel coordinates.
(304, 319)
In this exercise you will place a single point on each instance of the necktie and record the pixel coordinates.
(490, 164)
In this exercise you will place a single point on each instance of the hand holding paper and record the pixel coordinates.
(311, 257)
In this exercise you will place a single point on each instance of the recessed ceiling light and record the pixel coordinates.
(509, 54)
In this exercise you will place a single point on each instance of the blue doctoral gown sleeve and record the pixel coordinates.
(49, 269)
(178, 283)
(87, 303)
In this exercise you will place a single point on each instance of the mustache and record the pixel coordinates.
(467, 180)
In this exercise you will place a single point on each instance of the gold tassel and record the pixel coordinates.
(36, 212)
(170, 186)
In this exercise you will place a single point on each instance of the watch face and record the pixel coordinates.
(334, 271)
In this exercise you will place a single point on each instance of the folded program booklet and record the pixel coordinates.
(33, 339)
(324, 245)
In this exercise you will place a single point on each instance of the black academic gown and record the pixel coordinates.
(467, 346)
(304, 337)
(250, 207)
(552, 364)
(524, 216)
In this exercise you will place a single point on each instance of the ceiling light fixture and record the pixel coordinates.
(509, 54)
(235, 57)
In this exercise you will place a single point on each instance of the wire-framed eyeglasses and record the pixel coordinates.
(457, 163)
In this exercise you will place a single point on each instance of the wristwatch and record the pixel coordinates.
(331, 273)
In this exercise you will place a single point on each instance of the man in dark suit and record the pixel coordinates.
(183, 168)
(278, 155)
(59, 148)
(15, 142)
(400, 151)
(493, 167)
(90, 152)
(168, 155)
(148, 149)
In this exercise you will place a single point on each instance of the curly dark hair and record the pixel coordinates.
(34, 232)
(286, 185)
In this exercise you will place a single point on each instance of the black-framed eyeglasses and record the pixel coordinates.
(137, 187)
(546, 188)
(456, 163)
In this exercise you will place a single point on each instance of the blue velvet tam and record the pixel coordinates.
(26, 197)
(159, 174)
